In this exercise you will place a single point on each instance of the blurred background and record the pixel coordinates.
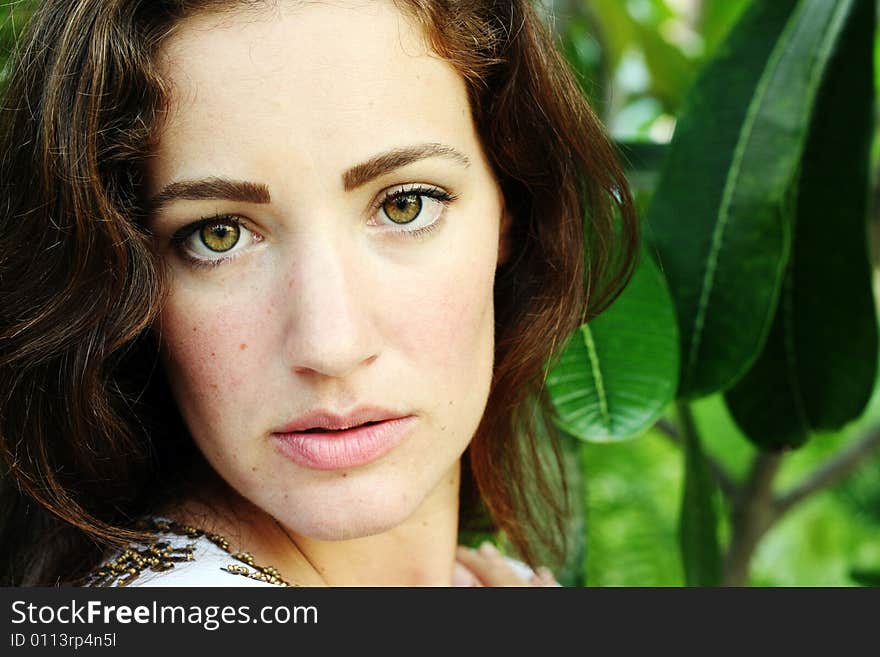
(637, 60)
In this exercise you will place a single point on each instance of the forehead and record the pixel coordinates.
(331, 82)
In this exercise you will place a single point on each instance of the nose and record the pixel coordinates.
(329, 330)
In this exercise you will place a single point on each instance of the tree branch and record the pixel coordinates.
(723, 478)
(753, 514)
(835, 470)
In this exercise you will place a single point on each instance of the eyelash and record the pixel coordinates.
(180, 236)
(436, 193)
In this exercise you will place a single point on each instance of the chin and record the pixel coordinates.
(355, 521)
(346, 512)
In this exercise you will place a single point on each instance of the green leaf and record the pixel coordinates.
(617, 29)
(818, 368)
(698, 523)
(715, 218)
(619, 372)
(716, 19)
(865, 577)
(621, 33)
(672, 73)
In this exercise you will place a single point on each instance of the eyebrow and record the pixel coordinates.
(210, 189)
(396, 158)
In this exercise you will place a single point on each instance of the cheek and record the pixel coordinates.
(443, 322)
(209, 349)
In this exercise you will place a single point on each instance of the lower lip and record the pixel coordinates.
(344, 449)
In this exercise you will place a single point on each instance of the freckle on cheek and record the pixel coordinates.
(243, 346)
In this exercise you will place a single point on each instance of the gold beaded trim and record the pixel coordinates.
(125, 568)
(160, 556)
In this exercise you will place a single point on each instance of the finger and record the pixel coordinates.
(489, 566)
(545, 577)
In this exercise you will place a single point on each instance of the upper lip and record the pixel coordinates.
(325, 419)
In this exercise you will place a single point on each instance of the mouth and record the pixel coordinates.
(326, 421)
(323, 448)
(324, 430)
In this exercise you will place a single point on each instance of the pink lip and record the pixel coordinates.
(330, 420)
(349, 444)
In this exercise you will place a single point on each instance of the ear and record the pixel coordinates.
(504, 237)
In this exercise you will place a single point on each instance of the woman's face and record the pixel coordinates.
(346, 264)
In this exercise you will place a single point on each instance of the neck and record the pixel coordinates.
(418, 552)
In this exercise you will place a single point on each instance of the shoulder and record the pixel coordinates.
(181, 556)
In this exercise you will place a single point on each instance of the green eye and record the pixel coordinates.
(403, 209)
(220, 236)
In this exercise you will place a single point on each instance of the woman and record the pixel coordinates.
(283, 278)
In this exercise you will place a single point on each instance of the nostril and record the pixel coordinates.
(324, 368)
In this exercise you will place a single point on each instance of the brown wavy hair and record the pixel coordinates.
(88, 430)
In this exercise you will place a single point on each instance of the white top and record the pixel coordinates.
(189, 557)
(180, 555)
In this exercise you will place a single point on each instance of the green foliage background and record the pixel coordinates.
(637, 60)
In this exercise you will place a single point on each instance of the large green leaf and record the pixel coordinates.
(619, 372)
(715, 218)
(818, 367)
(698, 522)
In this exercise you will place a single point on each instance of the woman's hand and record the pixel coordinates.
(486, 566)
